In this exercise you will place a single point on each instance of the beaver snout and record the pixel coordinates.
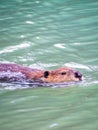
(78, 75)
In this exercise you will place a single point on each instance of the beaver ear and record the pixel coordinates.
(46, 73)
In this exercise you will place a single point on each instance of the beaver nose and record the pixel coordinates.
(78, 75)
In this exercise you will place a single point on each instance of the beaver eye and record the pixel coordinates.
(63, 73)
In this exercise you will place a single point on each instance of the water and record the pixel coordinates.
(50, 34)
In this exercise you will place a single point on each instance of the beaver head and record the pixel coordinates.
(62, 75)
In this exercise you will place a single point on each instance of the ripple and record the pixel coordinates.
(34, 109)
(89, 82)
(23, 99)
(29, 22)
(53, 125)
(14, 48)
(76, 65)
(37, 2)
(60, 45)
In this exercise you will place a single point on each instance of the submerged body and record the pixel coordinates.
(14, 72)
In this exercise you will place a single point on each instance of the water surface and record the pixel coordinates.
(48, 35)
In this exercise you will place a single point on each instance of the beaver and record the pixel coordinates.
(15, 72)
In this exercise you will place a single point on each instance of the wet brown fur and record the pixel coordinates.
(64, 74)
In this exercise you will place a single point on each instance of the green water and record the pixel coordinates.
(43, 109)
(50, 34)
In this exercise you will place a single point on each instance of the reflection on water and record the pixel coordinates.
(48, 35)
